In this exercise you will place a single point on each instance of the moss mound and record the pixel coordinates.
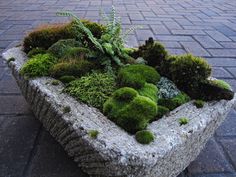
(36, 51)
(75, 68)
(161, 111)
(137, 75)
(129, 110)
(67, 79)
(150, 91)
(222, 84)
(144, 137)
(38, 65)
(93, 89)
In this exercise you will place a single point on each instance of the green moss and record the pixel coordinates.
(11, 59)
(199, 103)
(137, 75)
(47, 35)
(78, 53)
(93, 89)
(150, 91)
(55, 82)
(66, 109)
(153, 52)
(183, 121)
(38, 65)
(221, 84)
(75, 68)
(172, 103)
(36, 51)
(125, 94)
(144, 137)
(93, 134)
(132, 115)
(63, 47)
(188, 71)
(161, 111)
(96, 28)
(67, 79)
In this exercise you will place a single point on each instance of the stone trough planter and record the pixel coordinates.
(114, 152)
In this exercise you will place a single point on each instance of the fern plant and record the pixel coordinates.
(110, 47)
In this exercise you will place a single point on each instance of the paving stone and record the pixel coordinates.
(210, 160)
(174, 38)
(229, 146)
(136, 16)
(13, 104)
(171, 44)
(188, 32)
(221, 62)
(232, 70)
(216, 35)
(220, 72)
(50, 160)
(8, 84)
(143, 35)
(207, 42)
(228, 128)
(173, 51)
(17, 136)
(195, 48)
(228, 45)
(223, 52)
(159, 29)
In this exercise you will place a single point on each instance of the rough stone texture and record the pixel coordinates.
(114, 152)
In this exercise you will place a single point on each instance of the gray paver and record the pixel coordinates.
(195, 48)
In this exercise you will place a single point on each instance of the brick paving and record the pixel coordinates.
(206, 28)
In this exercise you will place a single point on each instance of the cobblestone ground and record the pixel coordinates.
(204, 27)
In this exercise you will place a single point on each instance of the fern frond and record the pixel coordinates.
(129, 31)
(81, 26)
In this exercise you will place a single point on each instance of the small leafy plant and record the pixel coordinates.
(199, 103)
(183, 121)
(93, 133)
(144, 137)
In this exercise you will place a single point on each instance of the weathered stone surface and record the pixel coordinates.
(114, 152)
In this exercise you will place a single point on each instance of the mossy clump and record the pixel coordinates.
(137, 75)
(38, 65)
(222, 84)
(161, 111)
(66, 109)
(75, 68)
(144, 137)
(187, 71)
(209, 91)
(199, 103)
(172, 103)
(96, 28)
(62, 47)
(149, 90)
(67, 79)
(79, 53)
(132, 112)
(36, 51)
(125, 94)
(153, 52)
(183, 121)
(55, 82)
(93, 89)
(11, 59)
(93, 134)
(45, 36)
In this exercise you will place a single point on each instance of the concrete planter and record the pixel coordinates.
(114, 152)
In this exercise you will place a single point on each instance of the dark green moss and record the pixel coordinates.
(36, 51)
(66, 109)
(221, 84)
(199, 103)
(79, 53)
(93, 134)
(38, 65)
(93, 89)
(11, 59)
(150, 91)
(153, 52)
(161, 111)
(144, 137)
(63, 47)
(137, 75)
(172, 103)
(188, 71)
(67, 79)
(183, 121)
(55, 82)
(75, 68)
